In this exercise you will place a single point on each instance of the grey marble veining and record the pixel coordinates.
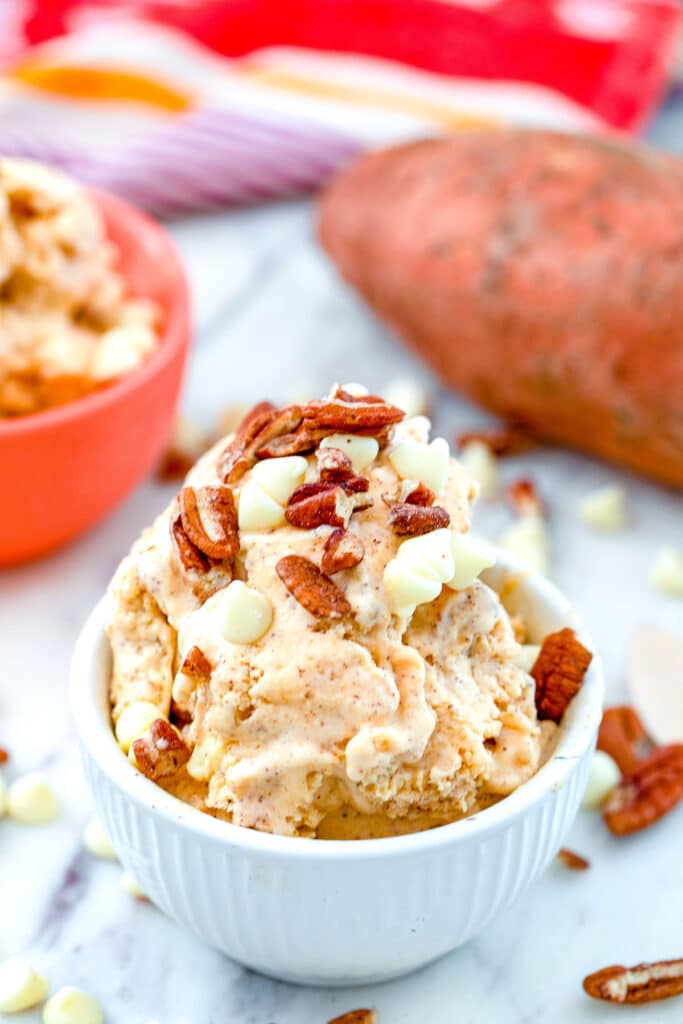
(272, 318)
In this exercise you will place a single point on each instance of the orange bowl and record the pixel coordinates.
(64, 469)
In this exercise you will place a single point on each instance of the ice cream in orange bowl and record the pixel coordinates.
(95, 316)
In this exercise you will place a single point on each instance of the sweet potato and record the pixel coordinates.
(541, 274)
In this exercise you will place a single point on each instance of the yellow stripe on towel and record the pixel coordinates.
(101, 84)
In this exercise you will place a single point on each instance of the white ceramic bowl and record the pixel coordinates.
(330, 912)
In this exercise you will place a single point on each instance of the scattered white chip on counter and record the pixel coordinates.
(471, 555)
(603, 776)
(134, 721)
(21, 987)
(528, 653)
(361, 450)
(131, 886)
(31, 800)
(72, 1006)
(425, 462)
(247, 613)
(604, 509)
(407, 394)
(96, 840)
(479, 461)
(527, 542)
(667, 571)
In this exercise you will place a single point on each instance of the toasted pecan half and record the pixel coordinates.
(318, 503)
(342, 550)
(622, 735)
(648, 793)
(258, 429)
(644, 983)
(209, 518)
(408, 520)
(559, 671)
(204, 575)
(161, 751)
(356, 417)
(356, 1017)
(312, 588)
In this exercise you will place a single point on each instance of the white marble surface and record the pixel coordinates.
(271, 318)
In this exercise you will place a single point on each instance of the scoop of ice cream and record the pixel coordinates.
(65, 322)
(383, 688)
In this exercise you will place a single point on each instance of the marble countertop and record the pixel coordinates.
(272, 314)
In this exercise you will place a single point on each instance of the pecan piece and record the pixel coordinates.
(558, 672)
(524, 498)
(356, 1017)
(354, 417)
(343, 550)
(316, 504)
(643, 983)
(209, 519)
(334, 465)
(408, 520)
(649, 792)
(507, 441)
(571, 860)
(204, 575)
(311, 588)
(622, 735)
(414, 492)
(258, 429)
(196, 665)
(4, 756)
(161, 751)
(299, 442)
(191, 558)
(338, 393)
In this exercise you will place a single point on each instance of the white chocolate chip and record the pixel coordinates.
(130, 885)
(20, 986)
(527, 541)
(120, 350)
(667, 571)
(31, 800)
(422, 564)
(481, 465)
(407, 589)
(361, 450)
(603, 776)
(355, 390)
(425, 462)
(279, 477)
(257, 510)
(471, 555)
(96, 840)
(407, 394)
(72, 1006)
(413, 428)
(246, 613)
(206, 758)
(528, 653)
(3, 796)
(134, 721)
(603, 509)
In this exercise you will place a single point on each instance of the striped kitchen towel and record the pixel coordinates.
(182, 105)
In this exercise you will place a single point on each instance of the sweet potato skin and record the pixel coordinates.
(541, 274)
